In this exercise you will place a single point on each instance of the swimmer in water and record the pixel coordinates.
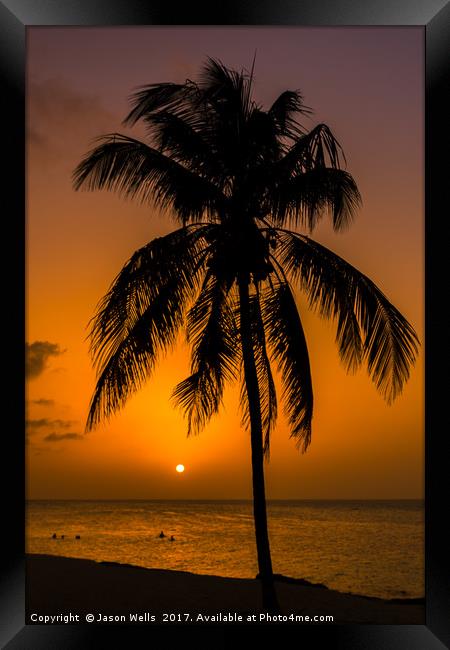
(161, 534)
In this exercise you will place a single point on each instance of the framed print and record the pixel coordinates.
(219, 222)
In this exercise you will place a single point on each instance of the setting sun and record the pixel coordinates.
(180, 468)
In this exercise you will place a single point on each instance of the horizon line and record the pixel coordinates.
(249, 499)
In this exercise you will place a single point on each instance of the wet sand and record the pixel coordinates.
(59, 585)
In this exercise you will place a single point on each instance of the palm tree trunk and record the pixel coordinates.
(270, 601)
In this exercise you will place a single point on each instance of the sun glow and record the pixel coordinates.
(180, 468)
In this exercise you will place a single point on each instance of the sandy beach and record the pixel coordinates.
(59, 585)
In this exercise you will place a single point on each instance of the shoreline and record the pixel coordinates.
(58, 584)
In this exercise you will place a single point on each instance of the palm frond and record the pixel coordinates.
(152, 98)
(179, 140)
(287, 343)
(317, 148)
(226, 89)
(229, 108)
(261, 142)
(306, 197)
(369, 327)
(212, 334)
(284, 110)
(136, 170)
(140, 316)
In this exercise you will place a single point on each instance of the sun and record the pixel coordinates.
(179, 468)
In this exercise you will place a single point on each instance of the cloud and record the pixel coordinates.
(47, 449)
(43, 402)
(57, 437)
(61, 118)
(37, 451)
(42, 423)
(38, 424)
(36, 138)
(37, 355)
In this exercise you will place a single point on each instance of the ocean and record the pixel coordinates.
(372, 548)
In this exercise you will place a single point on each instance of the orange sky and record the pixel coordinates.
(367, 85)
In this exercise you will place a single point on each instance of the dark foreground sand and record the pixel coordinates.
(58, 585)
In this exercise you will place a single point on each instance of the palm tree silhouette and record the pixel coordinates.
(235, 176)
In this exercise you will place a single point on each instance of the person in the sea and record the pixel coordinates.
(172, 538)
(161, 534)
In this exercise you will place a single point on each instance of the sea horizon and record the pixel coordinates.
(369, 547)
(249, 500)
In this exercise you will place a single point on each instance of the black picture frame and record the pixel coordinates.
(434, 16)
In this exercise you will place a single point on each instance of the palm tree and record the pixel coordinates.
(235, 177)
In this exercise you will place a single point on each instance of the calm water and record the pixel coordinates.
(375, 548)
